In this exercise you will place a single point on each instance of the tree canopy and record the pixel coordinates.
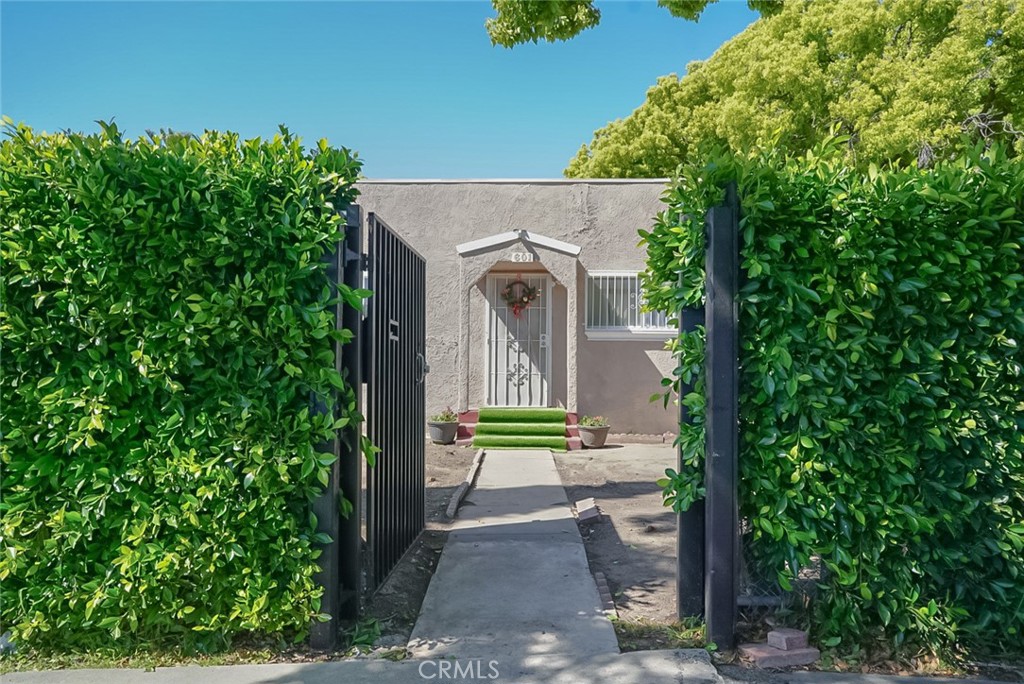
(522, 21)
(904, 79)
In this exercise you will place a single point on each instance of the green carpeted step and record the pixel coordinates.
(521, 427)
(525, 429)
(520, 442)
(528, 448)
(521, 414)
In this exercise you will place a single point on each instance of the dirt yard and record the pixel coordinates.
(396, 604)
(634, 543)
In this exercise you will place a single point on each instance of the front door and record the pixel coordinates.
(518, 352)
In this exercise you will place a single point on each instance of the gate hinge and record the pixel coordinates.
(351, 255)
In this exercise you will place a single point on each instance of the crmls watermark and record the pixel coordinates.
(454, 669)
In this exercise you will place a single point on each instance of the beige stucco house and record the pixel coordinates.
(569, 247)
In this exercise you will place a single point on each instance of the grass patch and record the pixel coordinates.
(910, 660)
(135, 659)
(247, 650)
(643, 635)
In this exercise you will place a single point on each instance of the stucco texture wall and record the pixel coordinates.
(610, 378)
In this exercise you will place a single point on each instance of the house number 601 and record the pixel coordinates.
(519, 258)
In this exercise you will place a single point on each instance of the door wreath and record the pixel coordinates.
(519, 295)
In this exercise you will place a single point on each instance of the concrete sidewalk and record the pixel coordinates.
(513, 579)
(648, 667)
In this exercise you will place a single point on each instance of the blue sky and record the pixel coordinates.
(415, 87)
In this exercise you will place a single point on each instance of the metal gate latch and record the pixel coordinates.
(422, 367)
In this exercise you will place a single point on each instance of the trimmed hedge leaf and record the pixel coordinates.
(165, 326)
(882, 382)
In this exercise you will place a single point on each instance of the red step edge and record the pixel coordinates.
(571, 443)
(467, 429)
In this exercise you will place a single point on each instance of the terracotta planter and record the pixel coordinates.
(593, 437)
(442, 433)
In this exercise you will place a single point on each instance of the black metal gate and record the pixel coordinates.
(395, 339)
(387, 352)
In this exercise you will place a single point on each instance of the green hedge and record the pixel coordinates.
(882, 383)
(165, 322)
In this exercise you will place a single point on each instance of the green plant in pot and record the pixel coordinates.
(443, 427)
(593, 431)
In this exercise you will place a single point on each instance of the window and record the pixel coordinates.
(614, 309)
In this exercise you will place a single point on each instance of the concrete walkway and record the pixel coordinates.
(647, 667)
(513, 580)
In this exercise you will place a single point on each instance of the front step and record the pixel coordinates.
(524, 429)
(468, 421)
(571, 443)
(519, 442)
(518, 427)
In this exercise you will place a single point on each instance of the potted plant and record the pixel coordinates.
(593, 431)
(443, 427)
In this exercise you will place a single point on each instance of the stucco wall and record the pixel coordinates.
(614, 379)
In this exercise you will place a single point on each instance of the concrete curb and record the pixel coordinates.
(607, 602)
(460, 492)
(640, 438)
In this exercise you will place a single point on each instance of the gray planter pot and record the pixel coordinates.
(593, 437)
(442, 433)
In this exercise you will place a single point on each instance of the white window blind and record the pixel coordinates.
(615, 303)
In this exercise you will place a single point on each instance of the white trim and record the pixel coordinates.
(488, 312)
(549, 307)
(492, 242)
(552, 243)
(620, 274)
(511, 236)
(514, 181)
(630, 334)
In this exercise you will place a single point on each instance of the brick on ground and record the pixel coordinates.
(787, 639)
(766, 656)
(587, 511)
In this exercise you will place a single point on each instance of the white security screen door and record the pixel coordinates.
(518, 352)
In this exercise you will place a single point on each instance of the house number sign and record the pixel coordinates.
(524, 257)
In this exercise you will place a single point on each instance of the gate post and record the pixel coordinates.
(350, 365)
(689, 523)
(323, 635)
(339, 558)
(721, 516)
